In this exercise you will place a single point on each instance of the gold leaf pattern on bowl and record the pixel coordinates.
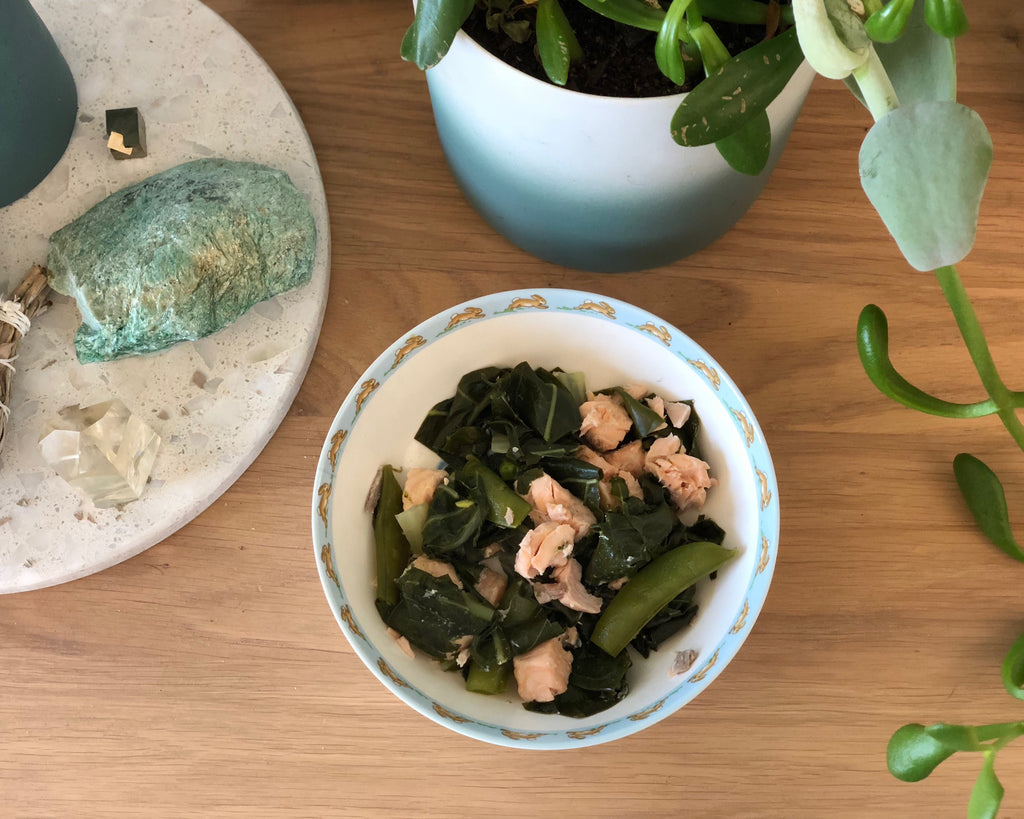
(602, 307)
(710, 373)
(741, 621)
(700, 675)
(468, 314)
(350, 621)
(536, 301)
(411, 343)
(748, 430)
(326, 559)
(639, 715)
(390, 674)
(519, 734)
(766, 493)
(444, 712)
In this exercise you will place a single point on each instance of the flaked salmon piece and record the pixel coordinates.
(656, 403)
(568, 589)
(662, 448)
(437, 568)
(686, 478)
(637, 391)
(677, 413)
(585, 453)
(403, 643)
(628, 458)
(462, 649)
(492, 550)
(570, 637)
(491, 585)
(605, 422)
(547, 544)
(618, 583)
(553, 502)
(543, 672)
(420, 485)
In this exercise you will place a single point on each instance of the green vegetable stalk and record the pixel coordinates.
(392, 546)
(651, 590)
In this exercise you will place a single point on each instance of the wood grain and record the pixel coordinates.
(206, 677)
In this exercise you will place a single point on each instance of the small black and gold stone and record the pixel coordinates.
(126, 133)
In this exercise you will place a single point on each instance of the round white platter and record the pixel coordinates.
(202, 91)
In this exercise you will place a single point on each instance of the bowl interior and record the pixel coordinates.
(379, 429)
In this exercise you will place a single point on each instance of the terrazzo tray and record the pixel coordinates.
(203, 91)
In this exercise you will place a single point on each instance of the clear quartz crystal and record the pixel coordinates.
(103, 450)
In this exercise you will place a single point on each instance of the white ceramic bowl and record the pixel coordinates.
(613, 343)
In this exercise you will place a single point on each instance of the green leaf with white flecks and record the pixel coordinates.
(556, 41)
(924, 168)
(431, 34)
(747, 150)
(737, 92)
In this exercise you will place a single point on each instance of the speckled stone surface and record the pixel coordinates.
(215, 402)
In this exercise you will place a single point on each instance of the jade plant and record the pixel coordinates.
(731, 110)
(923, 165)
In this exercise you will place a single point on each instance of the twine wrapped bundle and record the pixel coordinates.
(29, 299)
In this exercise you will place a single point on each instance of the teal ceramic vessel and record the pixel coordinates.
(589, 182)
(38, 101)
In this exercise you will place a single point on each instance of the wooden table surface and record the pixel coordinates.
(207, 677)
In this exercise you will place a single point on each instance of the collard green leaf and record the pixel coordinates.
(987, 793)
(913, 754)
(984, 495)
(677, 614)
(924, 168)
(645, 420)
(453, 522)
(737, 92)
(431, 34)
(581, 478)
(543, 402)
(556, 41)
(1013, 669)
(627, 543)
(392, 547)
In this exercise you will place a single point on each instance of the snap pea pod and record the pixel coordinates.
(652, 588)
(494, 681)
(392, 546)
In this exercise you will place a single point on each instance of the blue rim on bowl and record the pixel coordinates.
(763, 489)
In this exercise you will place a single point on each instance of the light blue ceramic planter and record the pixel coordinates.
(38, 101)
(589, 182)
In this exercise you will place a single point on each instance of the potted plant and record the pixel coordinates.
(600, 182)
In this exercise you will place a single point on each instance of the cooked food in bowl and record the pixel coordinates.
(560, 536)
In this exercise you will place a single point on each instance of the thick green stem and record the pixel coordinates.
(977, 346)
(876, 87)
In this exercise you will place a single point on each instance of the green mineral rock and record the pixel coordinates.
(180, 255)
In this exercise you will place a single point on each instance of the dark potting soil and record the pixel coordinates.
(618, 60)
